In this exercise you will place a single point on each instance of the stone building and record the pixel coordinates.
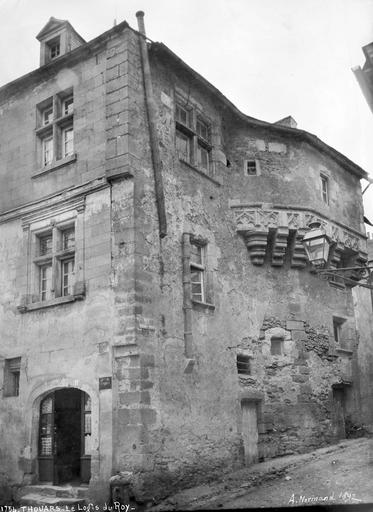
(158, 313)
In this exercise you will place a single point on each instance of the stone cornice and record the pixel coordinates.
(274, 233)
(66, 198)
(262, 215)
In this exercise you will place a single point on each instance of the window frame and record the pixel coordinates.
(54, 119)
(12, 377)
(338, 323)
(189, 129)
(276, 341)
(54, 260)
(199, 269)
(243, 365)
(249, 166)
(45, 151)
(324, 188)
(64, 142)
(54, 48)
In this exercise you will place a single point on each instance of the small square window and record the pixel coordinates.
(243, 364)
(324, 188)
(276, 346)
(251, 168)
(12, 371)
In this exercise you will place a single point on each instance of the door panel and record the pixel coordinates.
(250, 431)
(339, 413)
(67, 419)
(46, 439)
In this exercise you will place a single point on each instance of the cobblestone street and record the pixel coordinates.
(339, 474)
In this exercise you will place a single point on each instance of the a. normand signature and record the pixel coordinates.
(344, 496)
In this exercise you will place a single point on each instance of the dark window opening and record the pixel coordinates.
(12, 372)
(337, 329)
(276, 346)
(251, 168)
(243, 364)
(54, 48)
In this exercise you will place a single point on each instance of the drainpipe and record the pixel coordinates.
(151, 109)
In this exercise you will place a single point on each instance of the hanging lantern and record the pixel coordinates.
(317, 245)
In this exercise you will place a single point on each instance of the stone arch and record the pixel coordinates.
(32, 413)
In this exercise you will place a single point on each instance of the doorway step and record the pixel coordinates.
(52, 495)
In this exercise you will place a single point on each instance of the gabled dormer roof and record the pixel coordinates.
(57, 38)
(54, 25)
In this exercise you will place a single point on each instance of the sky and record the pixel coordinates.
(271, 58)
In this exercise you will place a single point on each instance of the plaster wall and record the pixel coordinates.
(67, 345)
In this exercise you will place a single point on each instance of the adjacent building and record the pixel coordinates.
(158, 313)
(365, 75)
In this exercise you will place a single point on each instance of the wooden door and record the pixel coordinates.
(64, 437)
(67, 435)
(250, 431)
(339, 413)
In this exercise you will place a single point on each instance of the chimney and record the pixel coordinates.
(140, 22)
(287, 121)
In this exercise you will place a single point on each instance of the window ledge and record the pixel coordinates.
(336, 284)
(200, 172)
(202, 305)
(49, 303)
(345, 351)
(55, 165)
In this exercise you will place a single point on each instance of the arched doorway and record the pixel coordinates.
(65, 437)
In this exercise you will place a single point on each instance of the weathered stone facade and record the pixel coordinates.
(176, 409)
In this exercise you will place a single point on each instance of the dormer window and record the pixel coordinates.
(54, 48)
(57, 38)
